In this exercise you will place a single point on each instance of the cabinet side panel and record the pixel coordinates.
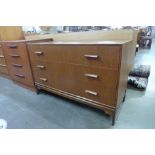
(124, 70)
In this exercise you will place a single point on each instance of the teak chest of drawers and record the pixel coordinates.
(17, 60)
(94, 73)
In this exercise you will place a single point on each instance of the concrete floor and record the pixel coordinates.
(24, 109)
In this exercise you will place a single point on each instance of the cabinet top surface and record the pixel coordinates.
(110, 42)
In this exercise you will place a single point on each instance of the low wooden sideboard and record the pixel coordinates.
(94, 73)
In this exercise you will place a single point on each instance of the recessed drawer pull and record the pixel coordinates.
(91, 56)
(12, 46)
(91, 92)
(43, 79)
(39, 52)
(14, 55)
(1, 56)
(91, 75)
(41, 66)
(20, 75)
(17, 65)
(2, 65)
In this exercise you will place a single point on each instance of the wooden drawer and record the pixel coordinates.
(16, 60)
(16, 69)
(78, 79)
(21, 76)
(14, 47)
(89, 55)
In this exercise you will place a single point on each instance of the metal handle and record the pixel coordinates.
(91, 92)
(91, 75)
(1, 56)
(17, 65)
(39, 52)
(2, 65)
(40, 66)
(91, 56)
(20, 75)
(12, 46)
(14, 55)
(43, 79)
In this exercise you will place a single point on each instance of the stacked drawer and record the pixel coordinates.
(18, 62)
(87, 71)
(3, 66)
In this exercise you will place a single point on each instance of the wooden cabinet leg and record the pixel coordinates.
(112, 114)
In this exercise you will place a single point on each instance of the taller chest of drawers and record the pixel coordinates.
(92, 73)
(17, 60)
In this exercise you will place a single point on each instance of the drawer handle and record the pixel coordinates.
(41, 66)
(20, 75)
(17, 65)
(39, 52)
(43, 79)
(12, 46)
(91, 92)
(91, 56)
(2, 65)
(14, 55)
(91, 75)
(1, 56)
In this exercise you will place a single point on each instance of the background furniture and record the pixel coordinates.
(17, 59)
(144, 37)
(94, 73)
(3, 66)
(8, 33)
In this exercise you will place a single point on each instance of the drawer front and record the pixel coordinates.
(17, 69)
(15, 60)
(14, 48)
(96, 84)
(89, 55)
(20, 75)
